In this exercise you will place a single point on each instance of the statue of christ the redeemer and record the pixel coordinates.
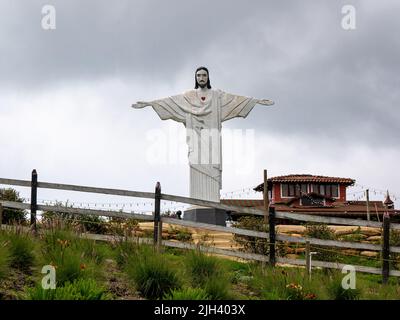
(202, 111)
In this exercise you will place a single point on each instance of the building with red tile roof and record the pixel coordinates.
(314, 194)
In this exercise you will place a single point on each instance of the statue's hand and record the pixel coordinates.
(266, 102)
(140, 105)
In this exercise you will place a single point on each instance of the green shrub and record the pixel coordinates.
(201, 267)
(12, 215)
(152, 274)
(187, 294)
(21, 248)
(81, 289)
(322, 231)
(181, 234)
(123, 227)
(252, 244)
(339, 293)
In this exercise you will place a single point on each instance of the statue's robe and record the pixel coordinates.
(202, 120)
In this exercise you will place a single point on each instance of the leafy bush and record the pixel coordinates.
(181, 234)
(322, 231)
(152, 274)
(395, 242)
(81, 289)
(12, 215)
(187, 294)
(252, 244)
(124, 227)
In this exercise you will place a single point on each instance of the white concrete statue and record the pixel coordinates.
(202, 111)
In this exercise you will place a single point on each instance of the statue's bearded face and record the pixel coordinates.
(202, 78)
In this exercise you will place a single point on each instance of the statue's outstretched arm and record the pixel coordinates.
(265, 102)
(141, 104)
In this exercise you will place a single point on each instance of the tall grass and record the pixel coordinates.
(187, 294)
(81, 289)
(295, 284)
(21, 246)
(208, 273)
(201, 267)
(74, 258)
(152, 274)
(4, 259)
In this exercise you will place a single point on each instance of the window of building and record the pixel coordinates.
(315, 188)
(335, 190)
(332, 190)
(291, 190)
(285, 190)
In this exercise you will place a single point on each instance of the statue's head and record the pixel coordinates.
(202, 78)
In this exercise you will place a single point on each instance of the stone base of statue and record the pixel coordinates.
(206, 215)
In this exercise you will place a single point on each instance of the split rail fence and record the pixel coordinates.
(269, 214)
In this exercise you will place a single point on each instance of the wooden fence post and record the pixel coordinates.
(308, 259)
(159, 236)
(34, 183)
(272, 248)
(157, 214)
(386, 248)
(266, 199)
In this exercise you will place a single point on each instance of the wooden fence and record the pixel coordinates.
(269, 213)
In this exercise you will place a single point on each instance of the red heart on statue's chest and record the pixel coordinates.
(203, 98)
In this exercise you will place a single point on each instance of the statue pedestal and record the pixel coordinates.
(206, 215)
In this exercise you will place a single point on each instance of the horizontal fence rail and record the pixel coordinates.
(105, 213)
(212, 204)
(268, 213)
(332, 220)
(334, 265)
(214, 227)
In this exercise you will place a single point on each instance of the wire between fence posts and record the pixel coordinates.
(272, 236)
(386, 248)
(34, 186)
(157, 215)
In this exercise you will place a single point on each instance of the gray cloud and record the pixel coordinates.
(335, 86)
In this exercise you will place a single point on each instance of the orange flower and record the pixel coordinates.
(310, 296)
(82, 266)
(294, 286)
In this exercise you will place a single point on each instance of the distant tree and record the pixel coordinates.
(12, 215)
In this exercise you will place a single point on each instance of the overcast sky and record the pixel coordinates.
(65, 94)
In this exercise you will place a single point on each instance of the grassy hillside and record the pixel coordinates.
(90, 270)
